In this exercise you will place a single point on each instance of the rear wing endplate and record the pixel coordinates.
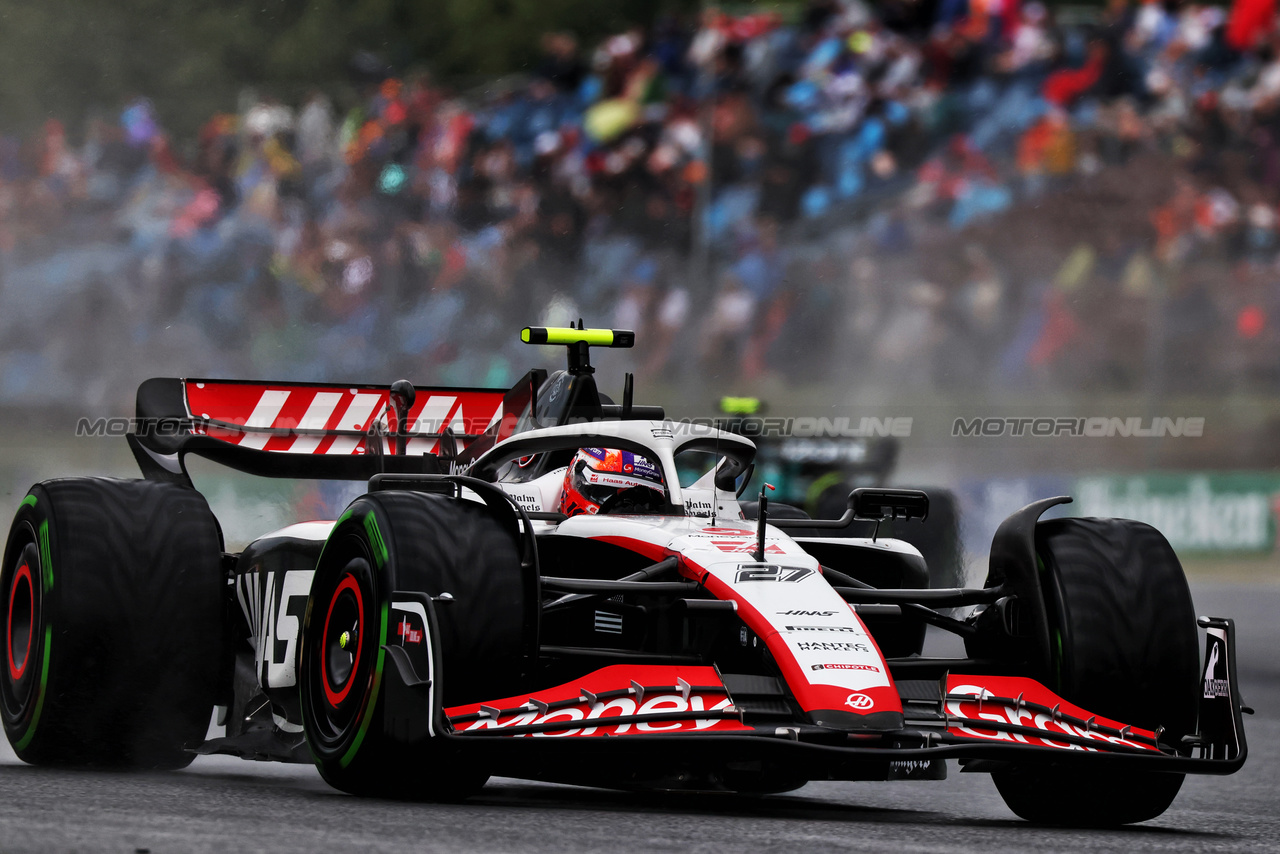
(324, 431)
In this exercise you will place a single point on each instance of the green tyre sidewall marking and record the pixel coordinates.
(44, 681)
(375, 540)
(45, 561)
(377, 545)
(367, 717)
(380, 555)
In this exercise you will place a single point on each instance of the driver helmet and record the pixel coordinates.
(596, 474)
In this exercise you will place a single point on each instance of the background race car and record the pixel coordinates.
(814, 465)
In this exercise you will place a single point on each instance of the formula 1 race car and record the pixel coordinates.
(543, 583)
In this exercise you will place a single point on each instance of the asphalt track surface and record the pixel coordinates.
(224, 804)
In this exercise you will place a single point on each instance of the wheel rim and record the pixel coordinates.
(342, 641)
(24, 641)
(339, 666)
(20, 624)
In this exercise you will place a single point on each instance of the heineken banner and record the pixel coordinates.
(1199, 513)
(1202, 513)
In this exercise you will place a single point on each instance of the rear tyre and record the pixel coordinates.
(1124, 645)
(112, 593)
(424, 543)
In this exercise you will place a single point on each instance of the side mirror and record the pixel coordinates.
(727, 475)
(876, 505)
(872, 505)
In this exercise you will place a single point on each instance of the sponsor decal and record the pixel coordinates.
(870, 668)
(746, 548)
(697, 508)
(593, 720)
(274, 605)
(727, 532)
(408, 634)
(643, 466)
(861, 702)
(832, 646)
(665, 698)
(807, 613)
(966, 716)
(661, 432)
(526, 502)
(1213, 686)
(823, 629)
(616, 480)
(771, 572)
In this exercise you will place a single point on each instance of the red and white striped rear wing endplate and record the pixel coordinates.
(320, 421)
(332, 419)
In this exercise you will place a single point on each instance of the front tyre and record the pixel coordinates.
(1074, 798)
(1124, 645)
(421, 543)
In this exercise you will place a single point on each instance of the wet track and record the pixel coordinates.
(224, 804)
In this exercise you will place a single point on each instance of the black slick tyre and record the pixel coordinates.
(112, 596)
(427, 544)
(1124, 645)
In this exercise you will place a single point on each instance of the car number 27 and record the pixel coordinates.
(771, 572)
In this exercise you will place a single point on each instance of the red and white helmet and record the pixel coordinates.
(598, 474)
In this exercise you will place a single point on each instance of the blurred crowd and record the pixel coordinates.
(947, 193)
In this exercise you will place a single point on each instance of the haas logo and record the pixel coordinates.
(860, 702)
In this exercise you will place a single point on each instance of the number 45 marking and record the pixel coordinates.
(771, 572)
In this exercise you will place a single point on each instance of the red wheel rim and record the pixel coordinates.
(337, 695)
(22, 577)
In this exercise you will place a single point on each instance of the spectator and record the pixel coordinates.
(687, 169)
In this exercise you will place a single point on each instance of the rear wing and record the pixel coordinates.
(325, 431)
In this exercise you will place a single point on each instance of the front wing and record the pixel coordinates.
(634, 722)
